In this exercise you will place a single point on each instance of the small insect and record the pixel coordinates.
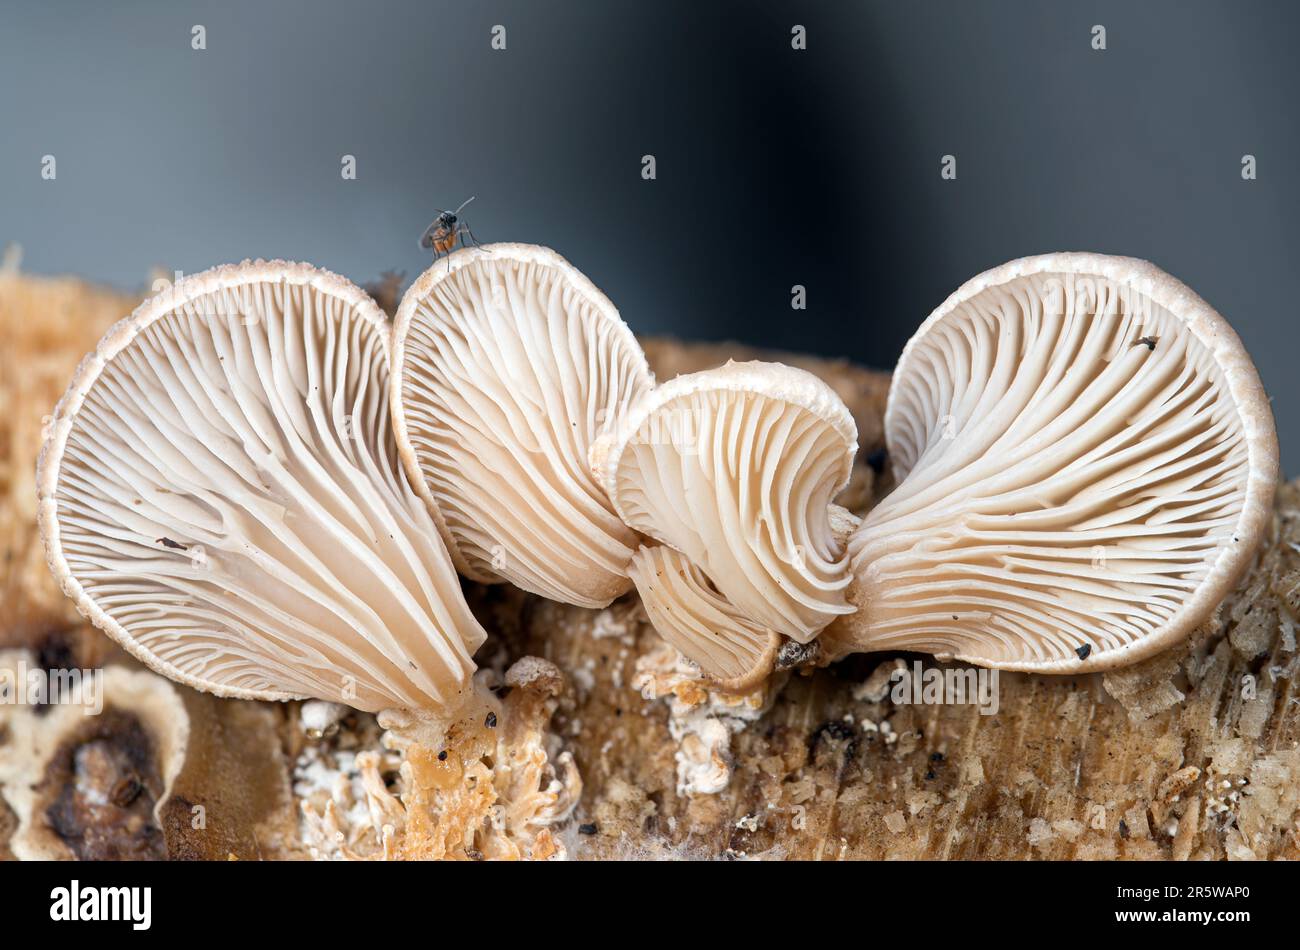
(441, 235)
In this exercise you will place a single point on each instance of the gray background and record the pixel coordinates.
(775, 167)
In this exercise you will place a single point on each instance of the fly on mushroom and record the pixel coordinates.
(441, 235)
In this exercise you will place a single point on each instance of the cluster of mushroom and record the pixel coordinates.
(239, 490)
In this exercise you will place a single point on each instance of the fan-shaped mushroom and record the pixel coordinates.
(704, 626)
(219, 491)
(509, 365)
(1086, 461)
(735, 468)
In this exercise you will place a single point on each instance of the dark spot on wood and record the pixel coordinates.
(56, 651)
(126, 791)
(101, 787)
(837, 731)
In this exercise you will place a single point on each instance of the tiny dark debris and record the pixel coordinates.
(793, 654)
(936, 756)
(474, 854)
(1083, 651)
(587, 829)
(169, 543)
(127, 790)
(929, 775)
(442, 756)
(836, 730)
(1148, 341)
(491, 720)
(1123, 829)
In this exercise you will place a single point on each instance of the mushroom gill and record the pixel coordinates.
(220, 493)
(735, 468)
(1086, 461)
(708, 630)
(510, 364)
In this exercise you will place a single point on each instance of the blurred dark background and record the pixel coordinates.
(775, 167)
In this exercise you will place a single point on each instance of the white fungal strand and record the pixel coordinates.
(511, 364)
(1084, 461)
(222, 495)
(735, 468)
(703, 625)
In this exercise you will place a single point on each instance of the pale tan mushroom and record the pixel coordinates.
(509, 365)
(1086, 463)
(220, 493)
(704, 626)
(735, 468)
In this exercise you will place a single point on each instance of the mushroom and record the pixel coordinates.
(1086, 463)
(510, 364)
(704, 626)
(220, 493)
(735, 468)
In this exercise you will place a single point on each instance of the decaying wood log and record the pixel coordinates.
(1192, 754)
